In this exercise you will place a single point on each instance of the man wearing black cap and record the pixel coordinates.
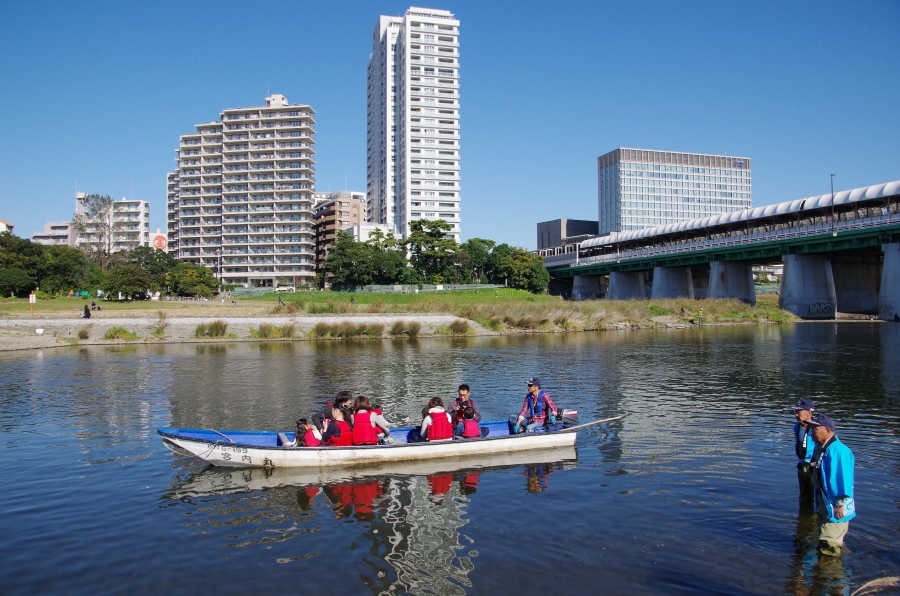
(536, 408)
(804, 445)
(833, 476)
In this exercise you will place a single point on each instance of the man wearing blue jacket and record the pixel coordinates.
(804, 445)
(833, 476)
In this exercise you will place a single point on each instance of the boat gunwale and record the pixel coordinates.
(330, 448)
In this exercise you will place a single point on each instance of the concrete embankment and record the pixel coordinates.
(23, 334)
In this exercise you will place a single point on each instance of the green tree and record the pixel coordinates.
(350, 262)
(65, 268)
(473, 258)
(157, 263)
(126, 278)
(431, 251)
(187, 279)
(15, 282)
(22, 254)
(519, 268)
(97, 228)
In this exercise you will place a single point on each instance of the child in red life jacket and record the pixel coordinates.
(307, 434)
(438, 425)
(468, 426)
(338, 431)
(365, 422)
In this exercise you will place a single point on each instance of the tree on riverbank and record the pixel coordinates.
(433, 258)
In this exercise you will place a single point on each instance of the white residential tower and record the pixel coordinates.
(413, 120)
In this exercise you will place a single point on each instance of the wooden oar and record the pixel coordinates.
(596, 422)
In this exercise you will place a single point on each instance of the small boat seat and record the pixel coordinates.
(283, 440)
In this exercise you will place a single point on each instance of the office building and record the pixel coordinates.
(56, 233)
(551, 234)
(336, 211)
(241, 198)
(412, 169)
(639, 188)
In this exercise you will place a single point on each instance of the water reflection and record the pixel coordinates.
(413, 511)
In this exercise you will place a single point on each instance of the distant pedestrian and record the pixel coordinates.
(804, 446)
(833, 464)
(87, 312)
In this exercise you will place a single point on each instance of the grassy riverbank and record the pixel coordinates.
(510, 310)
(505, 310)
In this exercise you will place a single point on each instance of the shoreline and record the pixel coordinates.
(58, 332)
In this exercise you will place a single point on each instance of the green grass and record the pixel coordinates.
(85, 332)
(212, 329)
(120, 333)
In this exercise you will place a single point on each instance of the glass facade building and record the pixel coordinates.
(640, 188)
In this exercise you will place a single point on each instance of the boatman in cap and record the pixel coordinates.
(833, 477)
(804, 445)
(536, 409)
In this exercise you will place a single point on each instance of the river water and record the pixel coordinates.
(693, 492)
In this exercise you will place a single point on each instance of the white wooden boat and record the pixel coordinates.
(270, 449)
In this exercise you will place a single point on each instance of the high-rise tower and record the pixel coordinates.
(240, 201)
(413, 120)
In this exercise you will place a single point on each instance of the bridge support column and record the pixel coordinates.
(732, 279)
(889, 296)
(807, 287)
(672, 282)
(588, 287)
(855, 283)
(627, 286)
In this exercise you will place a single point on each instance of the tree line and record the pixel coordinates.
(26, 266)
(428, 256)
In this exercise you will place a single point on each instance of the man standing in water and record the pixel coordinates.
(833, 477)
(804, 445)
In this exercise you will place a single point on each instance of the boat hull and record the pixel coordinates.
(225, 454)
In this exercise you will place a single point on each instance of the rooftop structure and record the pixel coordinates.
(56, 233)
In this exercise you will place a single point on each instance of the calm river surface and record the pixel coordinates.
(693, 492)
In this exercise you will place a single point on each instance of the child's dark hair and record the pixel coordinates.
(300, 434)
(469, 413)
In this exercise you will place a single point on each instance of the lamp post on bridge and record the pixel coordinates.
(833, 233)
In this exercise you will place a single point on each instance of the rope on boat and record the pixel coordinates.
(221, 435)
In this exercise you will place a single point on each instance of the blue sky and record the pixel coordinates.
(98, 93)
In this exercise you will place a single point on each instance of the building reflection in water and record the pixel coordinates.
(414, 511)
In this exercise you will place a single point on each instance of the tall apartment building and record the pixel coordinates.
(336, 211)
(241, 199)
(412, 169)
(132, 224)
(639, 188)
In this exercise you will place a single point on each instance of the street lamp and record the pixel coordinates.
(833, 233)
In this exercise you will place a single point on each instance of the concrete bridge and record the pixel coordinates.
(841, 253)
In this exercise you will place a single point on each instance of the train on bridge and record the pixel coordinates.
(841, 253)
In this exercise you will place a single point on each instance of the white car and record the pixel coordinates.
(285, 289)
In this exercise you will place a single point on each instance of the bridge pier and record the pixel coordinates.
(588, 287)
(627, 286)
(889, 296)
(672, 282)
(732, 279)
(856, 283)
(807, 287)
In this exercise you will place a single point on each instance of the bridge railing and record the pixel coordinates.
(570, 259)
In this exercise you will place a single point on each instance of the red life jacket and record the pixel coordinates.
(363, 431)
(346, 438)
(470, 429)
(311, 440)
(440, 427)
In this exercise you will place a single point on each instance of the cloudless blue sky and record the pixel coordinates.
(98, 93)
